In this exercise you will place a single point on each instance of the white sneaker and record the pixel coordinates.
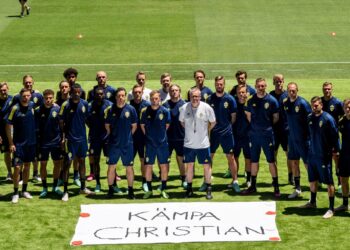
(9, 177)
(295, 194)
(36, 178)
(27, 195)
(87, 191)
(15, 198)
(328, 214)
(20, 182)
(65, 197)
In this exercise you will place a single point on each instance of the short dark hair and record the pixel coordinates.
(316, 99)
(76, 86)
(48, 92)
(198, 71)
(120, 89)
(69, 72)
(23, 90)
(241, 72)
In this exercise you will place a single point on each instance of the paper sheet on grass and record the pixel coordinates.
(176, 222)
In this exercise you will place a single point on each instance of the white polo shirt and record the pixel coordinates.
(196, 122)
(145, 95)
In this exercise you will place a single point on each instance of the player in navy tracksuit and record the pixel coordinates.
(241, 77)
(155, 120)
(139, 137)
(225, 108)
(344, 157)
(97, 132)
(120, 123)
(73, 115)
(20, 131)
(5, 105)
(334, 107)
(240, 132)
(175, 132)
(199, 77)
(280, 129)
(296, 110)
(324, 140)
(262, 111)
(49, 140)
(37, 98)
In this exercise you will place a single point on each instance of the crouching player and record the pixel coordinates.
(120, 123)
(49, 140)
(344, 158)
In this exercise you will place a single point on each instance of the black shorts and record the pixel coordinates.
(344, 165)
(281, 138)
(178, 146)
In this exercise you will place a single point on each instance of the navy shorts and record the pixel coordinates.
(96, 148)
(297, 150)
(203, 155)
(24, 154)
(344, 165)
(320, 170)
(77, 149)
(56, 153)
(139, 148)
(178, 146)
(281, 138)
(125, 154)
(266, 143)
(242, 143)
(161, 152)
(226, 141)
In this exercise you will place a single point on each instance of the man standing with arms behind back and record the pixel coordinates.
(198, 119)
(262, 112)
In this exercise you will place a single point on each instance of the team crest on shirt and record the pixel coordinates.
(250, 144)
(108, 95)
(266, 105)
(205, 96)
(323, 166)
(71, 110)
(226, 105)
(331, 108)
(297, 109)
(161, 116)
(94, 112)
(54, 114)
(254, 105)
(83, 109)
(320, 124)
(127, 114)
(35, 99)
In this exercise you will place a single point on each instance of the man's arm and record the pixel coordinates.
(133, 128)
(9, 128)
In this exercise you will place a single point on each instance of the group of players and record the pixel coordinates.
(154, 123)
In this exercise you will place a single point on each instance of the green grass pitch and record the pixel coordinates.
(263, 37)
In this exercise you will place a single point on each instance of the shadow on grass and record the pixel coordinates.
(14, 16)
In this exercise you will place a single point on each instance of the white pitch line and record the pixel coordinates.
(334, 69)
(169, 64)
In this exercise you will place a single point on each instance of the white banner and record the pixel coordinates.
(176, 222)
